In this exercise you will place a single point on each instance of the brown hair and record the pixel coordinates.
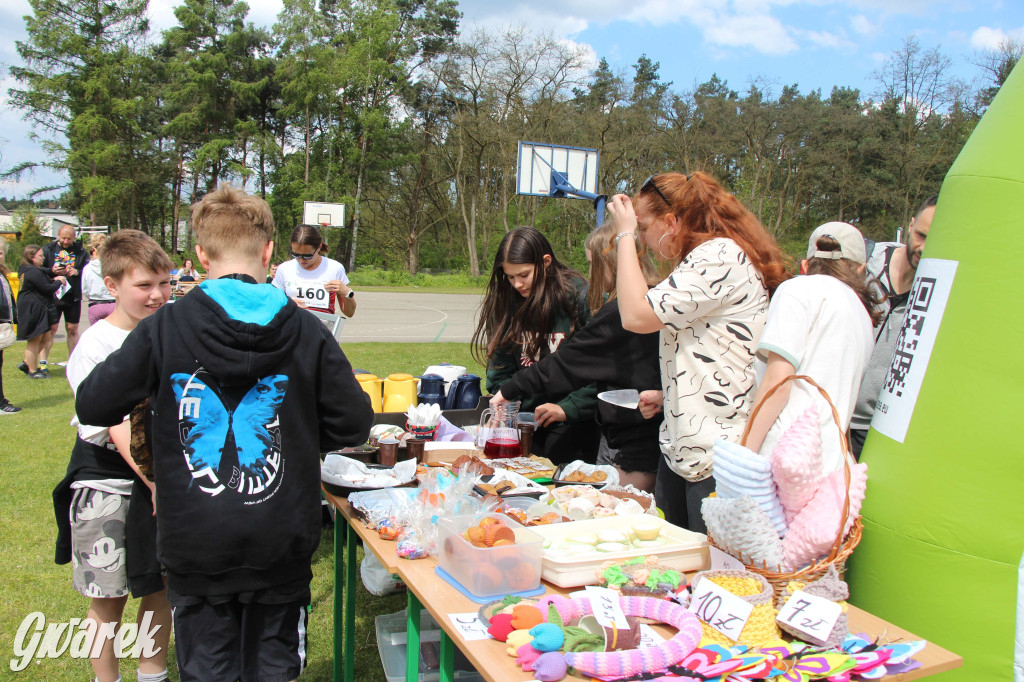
(230, 222)
(309, 235)
(29, 253)
(705, 211)
(506, 318)
(3, 256)
(849, 273)
(127, 249)
(604, 265)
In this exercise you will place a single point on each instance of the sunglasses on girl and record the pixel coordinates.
(650, 181)
(303, 256)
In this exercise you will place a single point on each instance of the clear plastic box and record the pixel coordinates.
(391, 644)
(489, 571)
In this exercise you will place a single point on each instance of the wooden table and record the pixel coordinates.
(427, 590)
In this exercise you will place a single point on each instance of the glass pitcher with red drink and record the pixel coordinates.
(499, 431)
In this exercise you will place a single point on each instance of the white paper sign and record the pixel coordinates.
(926, 305)
(649, 637)
(469, 626)
(720, 561)
(604, 603)
(61, 290)
(720, 608)
(809, 614)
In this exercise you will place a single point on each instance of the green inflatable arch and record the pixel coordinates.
(944, 515)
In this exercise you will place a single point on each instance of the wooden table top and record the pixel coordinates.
(489, 657)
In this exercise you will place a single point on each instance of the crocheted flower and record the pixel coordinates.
(547, 637)
(526, 656)
(550, 667)
(500, 626)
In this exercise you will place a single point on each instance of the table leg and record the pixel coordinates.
(339, 567)
(447, 658)
(350, 606)
(412, 636)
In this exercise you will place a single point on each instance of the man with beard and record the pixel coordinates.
(893, 266)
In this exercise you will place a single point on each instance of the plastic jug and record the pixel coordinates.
(372, 385)
(447, 372)
(499, 431)
(399, 392)
(464, 393)
(432, 389)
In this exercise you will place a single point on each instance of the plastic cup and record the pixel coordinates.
(525, 437)
(414, 449)
(388, 452)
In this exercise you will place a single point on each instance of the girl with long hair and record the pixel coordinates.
(605, 354)
(313, 280)
(819, 325)
(36, 308)
(8, 315)
(709, 311)
(532, 304)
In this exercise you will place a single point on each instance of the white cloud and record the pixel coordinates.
(828, 39)
(764, 33)
(986, 38)
(861, 24)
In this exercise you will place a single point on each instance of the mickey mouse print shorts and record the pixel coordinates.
(98, 543)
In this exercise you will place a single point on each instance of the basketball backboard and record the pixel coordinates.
(576, 165)
(322, 213)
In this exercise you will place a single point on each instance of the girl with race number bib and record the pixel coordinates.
(311, 279)
(532, 304)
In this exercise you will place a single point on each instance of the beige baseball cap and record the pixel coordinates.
(851, 242)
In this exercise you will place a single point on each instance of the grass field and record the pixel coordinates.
(34, 449)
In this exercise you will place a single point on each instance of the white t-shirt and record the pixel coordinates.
(95, 344)
(713, 305)
(309, 286)
(819, 325)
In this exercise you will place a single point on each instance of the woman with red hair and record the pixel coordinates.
(710, 312)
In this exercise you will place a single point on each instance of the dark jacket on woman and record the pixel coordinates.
(606, 354)
(35, 300)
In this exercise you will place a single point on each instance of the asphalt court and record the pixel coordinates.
(397, 317)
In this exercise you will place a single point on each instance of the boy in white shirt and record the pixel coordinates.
(104, 499)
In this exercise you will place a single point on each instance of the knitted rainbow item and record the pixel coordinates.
(796, 462)
(627, 663)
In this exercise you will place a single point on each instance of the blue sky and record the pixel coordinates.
(813, 43)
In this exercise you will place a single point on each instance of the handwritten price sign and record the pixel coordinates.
(606, 607)
(810, 615)
(720, 609)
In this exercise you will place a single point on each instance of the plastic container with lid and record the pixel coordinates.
(391, 644)
(489, 571)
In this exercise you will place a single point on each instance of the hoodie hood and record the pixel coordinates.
(252, 346)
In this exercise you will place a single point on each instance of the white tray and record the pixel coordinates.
(683, 551)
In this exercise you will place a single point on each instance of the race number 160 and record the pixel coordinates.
(720, 609)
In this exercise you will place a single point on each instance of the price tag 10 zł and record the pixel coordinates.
(720, 608)
(809, 614)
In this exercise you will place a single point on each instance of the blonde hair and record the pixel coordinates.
(230, 222)
(96, 241)
(127, 249)
(604, 266)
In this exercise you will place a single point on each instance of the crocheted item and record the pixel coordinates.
(516, 639)
(814, 530)
(830, 587)
(739, 472)
(550, 667)
(753, 589)
(626, 663)
(740, 528)
(525, 657)
(525, 616)
(796, 462)
(547, 637)
(501, 626)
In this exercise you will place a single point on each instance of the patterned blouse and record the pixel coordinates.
(714, 306)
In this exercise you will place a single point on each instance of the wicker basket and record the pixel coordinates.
(842, 548)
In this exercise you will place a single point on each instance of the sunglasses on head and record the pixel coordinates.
(650, 182)
(303, 256)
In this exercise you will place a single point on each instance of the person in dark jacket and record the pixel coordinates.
(65, 256)
(532, 304)
(36, 308)
(245, 391)
(606, 354)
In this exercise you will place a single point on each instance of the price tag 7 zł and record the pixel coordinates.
(809, 614)
(720, 608)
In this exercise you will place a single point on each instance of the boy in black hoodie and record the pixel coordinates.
(245, 391)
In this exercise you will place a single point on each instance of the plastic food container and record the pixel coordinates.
(391, 643)
(683, 550)
(489, 571)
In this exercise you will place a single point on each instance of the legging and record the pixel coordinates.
(2, 398)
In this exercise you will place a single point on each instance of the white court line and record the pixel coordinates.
(370, 332)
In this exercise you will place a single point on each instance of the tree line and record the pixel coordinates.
(386, 107)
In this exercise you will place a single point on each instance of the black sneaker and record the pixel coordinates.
(23, 366)
(44, 370)
(7, 408)
(39, 374)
